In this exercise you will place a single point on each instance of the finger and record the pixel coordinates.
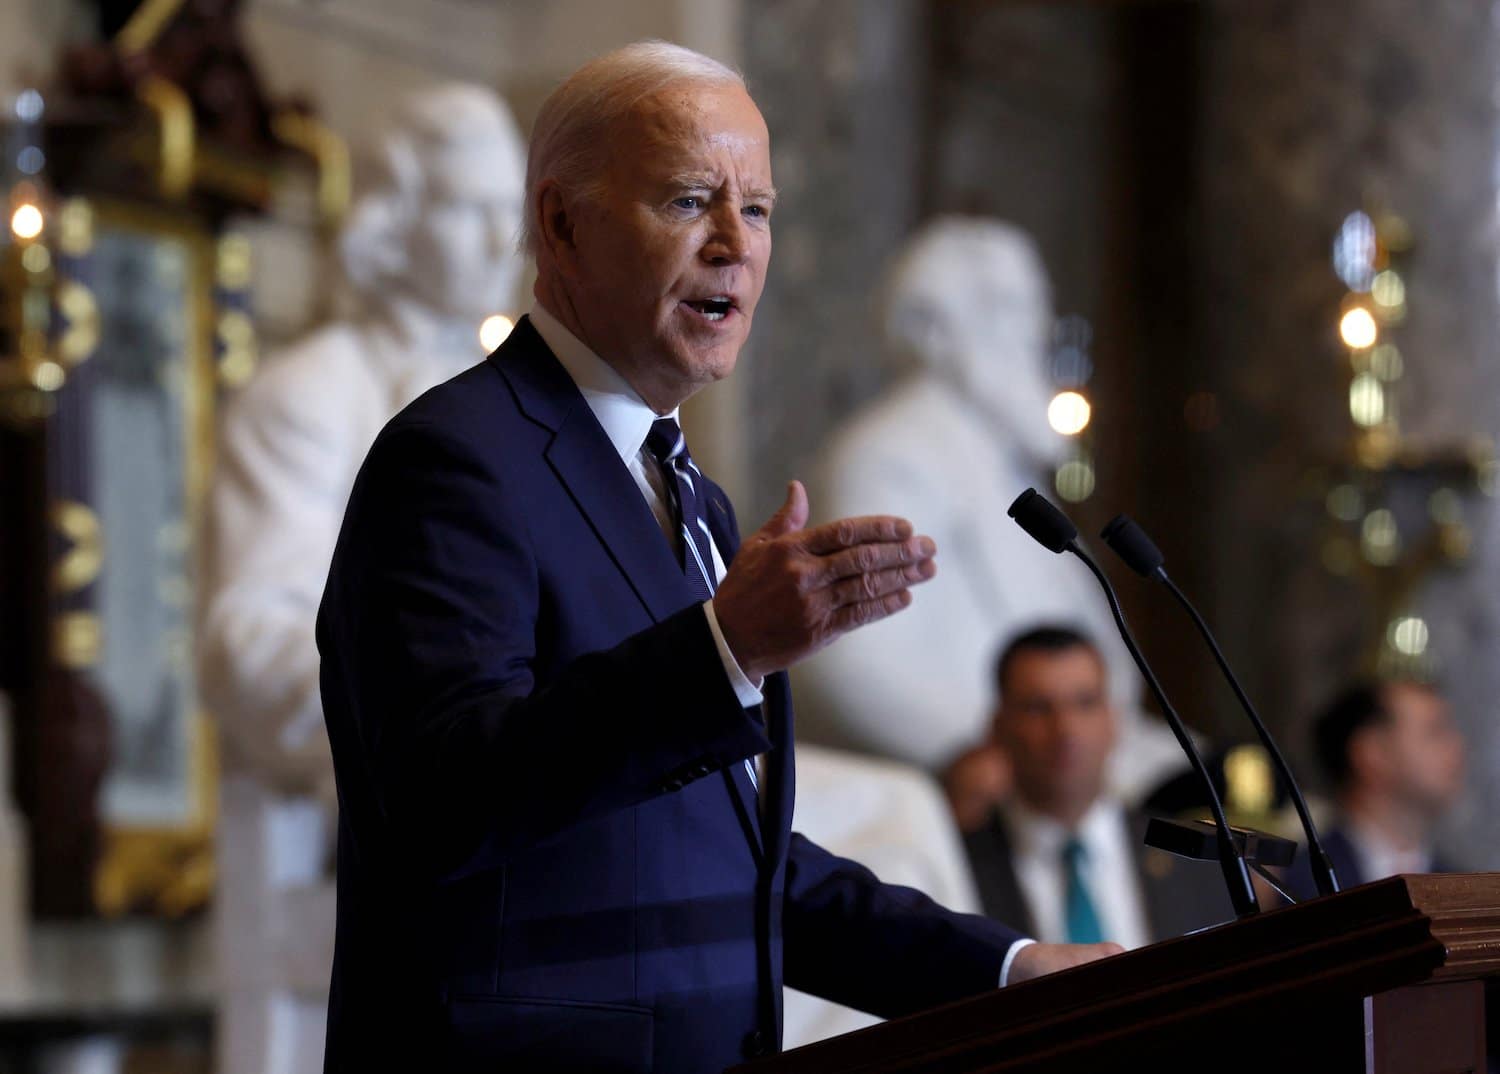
(852, 616)
(864, 558)
(792, 515)
(847, 532)
(881, 583)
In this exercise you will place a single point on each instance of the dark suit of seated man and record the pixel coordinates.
(1061, 858)
(1394, 760)
(561, 728)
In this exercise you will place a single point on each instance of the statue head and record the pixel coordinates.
(437, 222)
(967, 301)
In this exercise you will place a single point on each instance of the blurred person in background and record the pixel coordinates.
(1394, 761)
(1062, 855)
(427, 253)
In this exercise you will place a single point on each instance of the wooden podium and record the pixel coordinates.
(1386, 978)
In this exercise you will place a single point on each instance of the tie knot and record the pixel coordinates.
(1074, 852)
(665, 441)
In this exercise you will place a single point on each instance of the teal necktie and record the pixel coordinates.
(1083, 919)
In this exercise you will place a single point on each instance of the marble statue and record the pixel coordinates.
(967, 307)
(427, 253)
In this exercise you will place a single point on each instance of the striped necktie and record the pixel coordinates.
(695, 543)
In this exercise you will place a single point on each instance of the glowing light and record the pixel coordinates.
(1357, 328)
(26, 221)
(1069, 413)
(1354, 251)
(1366, 400)
(235, 262)
(1445, 508)
(29, 106)
(1345, 503)
(1379, 539)
(1408, 635)
(30, 160)
(1388, 290)
(1386, 362)
(48, 376)
(493, 331)
(1075, 480)
(36, 259)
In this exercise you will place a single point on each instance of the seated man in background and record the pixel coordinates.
(1061, 857)
(1394, 760)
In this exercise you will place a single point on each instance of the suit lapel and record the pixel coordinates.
(585, 462)
(588, 466)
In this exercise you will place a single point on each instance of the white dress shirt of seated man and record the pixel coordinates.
(1055, 722)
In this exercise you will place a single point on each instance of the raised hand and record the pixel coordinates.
(791, 591)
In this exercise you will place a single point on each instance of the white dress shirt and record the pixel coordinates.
(1380, 858)
(1109, 872)
(626, 420)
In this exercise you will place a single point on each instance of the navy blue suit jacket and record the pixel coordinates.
(550, 856)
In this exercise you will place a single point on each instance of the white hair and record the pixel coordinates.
(570, 143)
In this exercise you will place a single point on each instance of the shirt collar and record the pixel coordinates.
(1040, 835)
(619, 409)
(1380, 857)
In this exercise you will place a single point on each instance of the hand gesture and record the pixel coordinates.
(791, 591)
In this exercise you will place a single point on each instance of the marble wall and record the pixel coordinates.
(842, 84)
(1308, 110)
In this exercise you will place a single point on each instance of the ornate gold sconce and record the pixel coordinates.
(1393, 511)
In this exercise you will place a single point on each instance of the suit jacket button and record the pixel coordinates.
(756, 1044)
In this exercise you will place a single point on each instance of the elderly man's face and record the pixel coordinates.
(671, 257)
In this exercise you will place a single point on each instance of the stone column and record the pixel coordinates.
(841, 85)
(1309, 110)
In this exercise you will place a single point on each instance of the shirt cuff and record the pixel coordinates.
(748, 692)
(1010, 956)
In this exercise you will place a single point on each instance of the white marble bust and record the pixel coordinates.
(967, 308)
(427, 253)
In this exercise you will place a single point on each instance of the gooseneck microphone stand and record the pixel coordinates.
(1140, 553)
(1051, 529)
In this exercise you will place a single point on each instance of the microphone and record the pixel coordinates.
(1142, 556)
(1050, 528)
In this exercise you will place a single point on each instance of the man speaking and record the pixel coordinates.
(554, 676)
